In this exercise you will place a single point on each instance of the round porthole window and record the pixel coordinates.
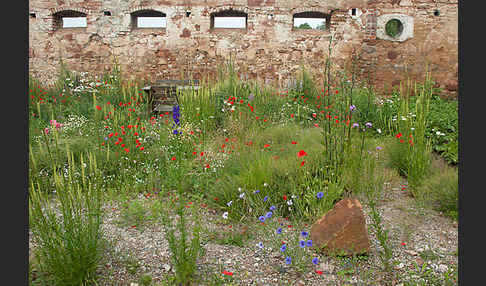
(394, 28)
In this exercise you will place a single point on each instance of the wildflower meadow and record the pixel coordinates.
(273, 159)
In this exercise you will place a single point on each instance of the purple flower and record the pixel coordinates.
(309, 243)
(355, 125)
(352, 107)
(302, 243)
(269, 215)
(378, 148)
(315, 260)
(279, 230)
(262, 218)
(272, 208)
(260, 244)
(283, 248)
(304, 233)
(320, 195)
(288, 260)
(368, 124)
(265, 198)
(256, 192)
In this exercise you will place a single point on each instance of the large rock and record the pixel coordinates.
(342, 230)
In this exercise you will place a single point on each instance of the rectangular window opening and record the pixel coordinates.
(230, 22)
(310, 23)
(74, 22)
(151, 22)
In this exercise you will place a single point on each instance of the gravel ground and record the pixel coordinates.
(417, 236)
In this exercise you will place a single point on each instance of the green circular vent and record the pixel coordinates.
(394, 28)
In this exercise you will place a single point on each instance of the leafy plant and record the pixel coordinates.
(184, 253)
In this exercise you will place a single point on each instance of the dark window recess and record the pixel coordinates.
(148, 19)
(188, 14)
(436, 13)
(311, 20)
(69, 19)
(107, 13)
(32, 15)
(353, 11)
(229, 19)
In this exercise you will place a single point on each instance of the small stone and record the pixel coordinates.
(411, 252)
(442, 268)
(399, 266)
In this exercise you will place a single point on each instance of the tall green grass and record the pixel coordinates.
(66, 227)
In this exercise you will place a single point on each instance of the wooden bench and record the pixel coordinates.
(162, 95)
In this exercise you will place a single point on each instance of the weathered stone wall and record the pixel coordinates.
(268, 50)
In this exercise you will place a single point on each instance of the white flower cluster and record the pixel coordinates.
(74, 122)
(83, 83)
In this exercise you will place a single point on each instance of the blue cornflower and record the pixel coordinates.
(283, 248)
(265, 198)
(288, 260)
(272, 208)
(260, 244)
(309, 243)
(368, 124)
(269, 215)
(302, 243)
(256, 192)
(262, 218)
(304, 233)
(279, 230)
(315, 260)
(106, 138)
(320, 195)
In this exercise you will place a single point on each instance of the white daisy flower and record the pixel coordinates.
(225, 215)
(229, 203)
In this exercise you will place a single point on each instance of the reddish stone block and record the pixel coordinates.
(342, 230)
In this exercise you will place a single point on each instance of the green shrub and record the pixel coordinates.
(441, 190)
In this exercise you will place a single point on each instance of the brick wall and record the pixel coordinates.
(269, 49)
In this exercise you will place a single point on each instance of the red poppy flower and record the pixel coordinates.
(403, 243)
(292, 115)
(141, 148)
(301, 153)
(401, 141)
(266, 145)
(251, 107)
(398, 135)
(202, 154)
(319, 272)
(173, 158)
(227, 273)
(293, 142)
(285, 197)
(302, 164)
